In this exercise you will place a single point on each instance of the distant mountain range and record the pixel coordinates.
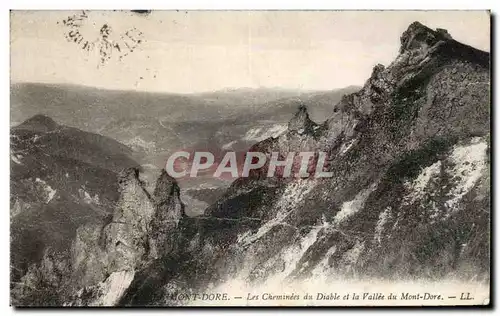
(249, 96)
(87, 107)
(156, 124)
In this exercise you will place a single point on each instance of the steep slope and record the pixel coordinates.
(409, 197)
(428, 109)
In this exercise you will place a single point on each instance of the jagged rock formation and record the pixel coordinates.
(301, 122)
(104, 257)
(409, 197)
(78, 225)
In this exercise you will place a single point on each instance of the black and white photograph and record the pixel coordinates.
(215, 158)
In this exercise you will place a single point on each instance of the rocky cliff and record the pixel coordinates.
(409, 199)
(105, 255)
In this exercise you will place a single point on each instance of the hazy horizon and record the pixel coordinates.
(187, 52)
(223, 89)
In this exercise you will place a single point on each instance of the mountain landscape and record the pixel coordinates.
(154, 125)
(96, 221)
(161, 123)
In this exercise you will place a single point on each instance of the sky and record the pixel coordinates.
(197, 51)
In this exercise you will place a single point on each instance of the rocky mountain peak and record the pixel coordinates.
(169, 210)
(150, 218)
(39, 122)
(301, 122)
(165, 189)
(128, 175)
(419, 36)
